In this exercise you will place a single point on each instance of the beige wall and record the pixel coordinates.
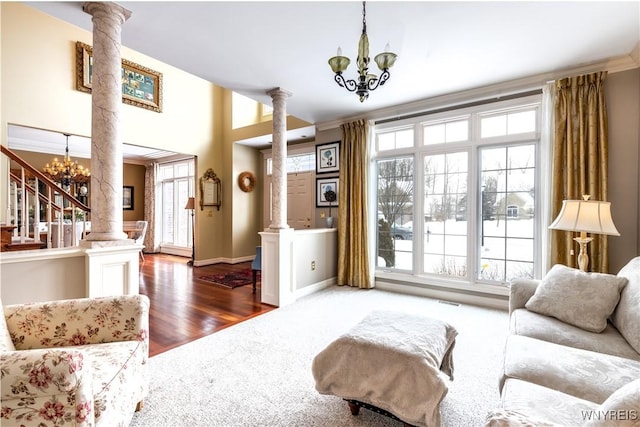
(133, 176)
(623, 108)
(247, 207)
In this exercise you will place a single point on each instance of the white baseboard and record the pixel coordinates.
(310, 289)
(224, 260)
(486, 300)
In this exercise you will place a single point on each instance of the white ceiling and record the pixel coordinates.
(443, 47)
(46, 141)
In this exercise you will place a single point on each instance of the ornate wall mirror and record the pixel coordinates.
(210, 190)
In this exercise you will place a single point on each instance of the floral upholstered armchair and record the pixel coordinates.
(79, 362)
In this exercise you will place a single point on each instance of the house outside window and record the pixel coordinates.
(462, 184)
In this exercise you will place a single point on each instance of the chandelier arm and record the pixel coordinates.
(349, 85)
(373, 84)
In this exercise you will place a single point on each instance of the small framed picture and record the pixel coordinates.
(127, 198)
(328, 157)
(327, 192)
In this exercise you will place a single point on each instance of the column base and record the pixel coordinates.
(278, 270)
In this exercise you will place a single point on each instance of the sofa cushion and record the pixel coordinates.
(581, 373)
(585, 300)
(6, 344)
(626, 317)
(621, 409)
(534, 325)
(529, 404)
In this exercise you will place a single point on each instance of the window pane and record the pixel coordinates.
(434, 134)
(395, 213)
(167, 212)
(458, 131)
(181, 237)
(301, 163)
(453, 131)
(386, 141)
(493, 126)
(507, 210)
(521, 122)
(445, 214)
(165, 172)
(397, 139)
(404, 138)
(182, 170)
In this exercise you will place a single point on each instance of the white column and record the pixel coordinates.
(106, 102)
(111, 259)
(279, 159)
(278, 275)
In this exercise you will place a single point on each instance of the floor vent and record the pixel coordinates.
(449, 303)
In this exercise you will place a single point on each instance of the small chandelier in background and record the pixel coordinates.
(366, 82)
(66, 172)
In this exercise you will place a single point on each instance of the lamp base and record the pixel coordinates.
(583, 257)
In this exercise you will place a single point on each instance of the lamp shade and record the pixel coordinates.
(590, 216)
(191, 203)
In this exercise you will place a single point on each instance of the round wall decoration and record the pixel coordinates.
(246, 181)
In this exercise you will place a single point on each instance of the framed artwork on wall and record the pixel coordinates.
(141, 86)
(324, 185)
(127, 198)
(328, 157)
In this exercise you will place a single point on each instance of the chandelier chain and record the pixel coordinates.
(364, 17)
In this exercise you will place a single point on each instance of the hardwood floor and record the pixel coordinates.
(184, 308)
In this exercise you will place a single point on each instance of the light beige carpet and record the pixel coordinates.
(258, 373)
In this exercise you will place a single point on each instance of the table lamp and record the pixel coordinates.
(585, 216)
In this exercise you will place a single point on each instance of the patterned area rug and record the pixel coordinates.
(230, 280)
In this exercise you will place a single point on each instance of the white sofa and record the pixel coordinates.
(559, 367)
(79, 362)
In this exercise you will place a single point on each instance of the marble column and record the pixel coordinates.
(106, 103)
(279, 159)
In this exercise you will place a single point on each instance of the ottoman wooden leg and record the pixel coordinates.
(355, 409)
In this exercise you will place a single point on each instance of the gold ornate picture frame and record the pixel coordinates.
(141, 86)
(210, 190)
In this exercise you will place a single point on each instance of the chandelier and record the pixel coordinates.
(66, 172)
(366, 82)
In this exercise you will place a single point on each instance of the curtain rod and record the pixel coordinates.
(459, 106)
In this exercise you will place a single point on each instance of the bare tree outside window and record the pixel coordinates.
(395, 204)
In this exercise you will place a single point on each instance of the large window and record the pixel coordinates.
(456, 193)
(176, 181)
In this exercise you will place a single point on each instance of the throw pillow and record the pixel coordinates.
(6, 344)
(626, 317)
(585, 300)
(620, 409)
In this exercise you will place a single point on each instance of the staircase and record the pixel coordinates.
(62, 220)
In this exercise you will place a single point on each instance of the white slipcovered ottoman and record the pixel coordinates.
(396, 362)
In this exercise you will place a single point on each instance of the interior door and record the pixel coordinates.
(299, 200)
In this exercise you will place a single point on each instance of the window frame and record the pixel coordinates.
(473, 145)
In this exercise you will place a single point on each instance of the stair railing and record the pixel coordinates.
(30, 188)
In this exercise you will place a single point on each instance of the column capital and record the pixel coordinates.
(109, 9)
(279, 93)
